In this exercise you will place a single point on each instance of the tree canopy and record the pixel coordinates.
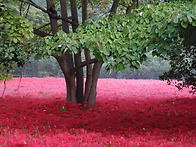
(125, 39)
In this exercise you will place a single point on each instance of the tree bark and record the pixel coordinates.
(65, 25)
(132, 5)
(79, 79)
(71, 89)
(114, 7)
(89, 74)
(93, 91)
(74, 14)
(84, 10)
(69, 79)
(53, 21)
(78, 59)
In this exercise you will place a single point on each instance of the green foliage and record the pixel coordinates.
(14, 36)
(183, 66)
(152, 68)
(125, 40)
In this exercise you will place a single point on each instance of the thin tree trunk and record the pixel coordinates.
(62, 60)
(79, 79)
(78, 59)
(53, 21)
(68, 57)
(89, 74)
(65, 25)
(84, 10)
(132, 6)
(87, 55)
(114, 7)
(74, 14)
(93, 91)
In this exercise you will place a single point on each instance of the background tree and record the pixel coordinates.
(183, 66)
(115, 40)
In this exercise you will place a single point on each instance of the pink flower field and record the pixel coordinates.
(128, 113)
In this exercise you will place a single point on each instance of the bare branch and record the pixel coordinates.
(5, 86)
(131, 7)
(27, 11)
(91, 61)
(40, 33)
(21, 5)
(48, 12)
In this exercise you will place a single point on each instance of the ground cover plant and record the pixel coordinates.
(127, 113)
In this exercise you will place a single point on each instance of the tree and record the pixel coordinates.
(183, 66)
(14, 35)
(116, 40)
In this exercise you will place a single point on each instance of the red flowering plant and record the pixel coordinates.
(127, 113)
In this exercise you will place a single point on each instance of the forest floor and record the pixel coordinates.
(127, 113)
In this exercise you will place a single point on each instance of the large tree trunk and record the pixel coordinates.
(69, 79)
(71, 89)
(67, 63)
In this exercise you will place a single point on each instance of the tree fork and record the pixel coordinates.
(48, 12)
(69, 79)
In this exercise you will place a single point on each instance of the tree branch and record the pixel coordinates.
(27, 11)
(91, 61)
(40, 33)
(114, 7)
(48, 12)
(131, 7)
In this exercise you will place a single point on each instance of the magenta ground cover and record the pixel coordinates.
(127, 113)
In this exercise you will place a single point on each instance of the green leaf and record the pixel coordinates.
(177, 52)
(189, 18)
(194, 23)
(154, 53)
(184, 24)
(160, 50)
(175, 19)
(121, 67)
(15, 40)
(37, 56)
(149, 29)
(131, 67)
